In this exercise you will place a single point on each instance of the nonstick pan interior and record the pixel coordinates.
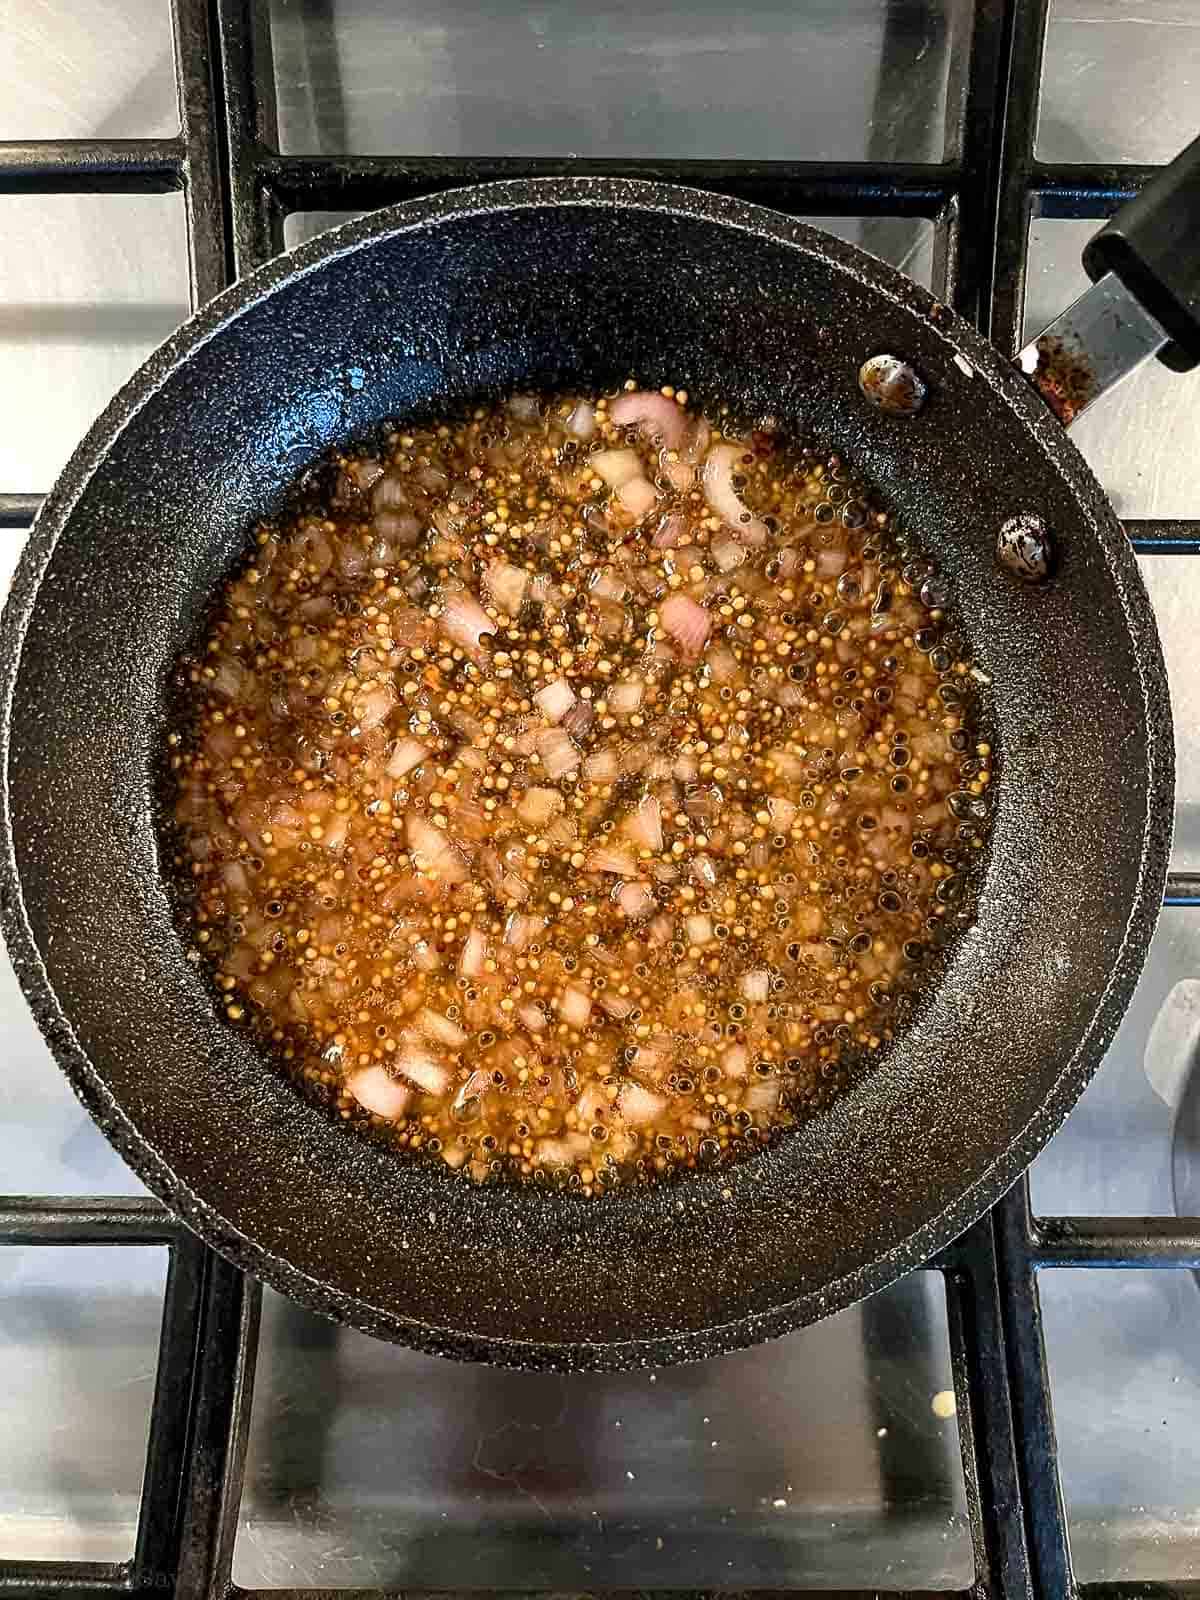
(549, 285)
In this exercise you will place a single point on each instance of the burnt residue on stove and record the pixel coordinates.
(1063, 378)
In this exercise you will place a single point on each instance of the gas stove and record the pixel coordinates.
(1020, 1418)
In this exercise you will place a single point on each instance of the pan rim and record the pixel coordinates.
(1062, 457)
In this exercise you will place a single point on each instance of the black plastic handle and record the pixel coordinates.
(1153, 246)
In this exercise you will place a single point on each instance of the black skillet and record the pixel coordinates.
(553, 285)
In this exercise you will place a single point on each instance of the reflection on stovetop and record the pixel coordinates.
(817, 1460)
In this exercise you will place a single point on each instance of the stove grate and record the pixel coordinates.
(238, 189)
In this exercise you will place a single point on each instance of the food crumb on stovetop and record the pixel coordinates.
(944, 1405)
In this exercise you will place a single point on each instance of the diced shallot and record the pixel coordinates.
(581, 424)
(894, 820)
(762, 1095)
(394, 531)
(236, 878)
(639, 1106)
(686, 622)
(374, 707)
(555, 699)
(820, 954)
(608, 858)
(574, 1007)
(532, 1016)
(756, 985)
(336, 830)
(717, 478)
(638, 497)
(726, 552)
(432, 851)
(644, 825)
(561, 833)
(376, 1090)
(520, 929)
(722, 663)
(831, 563)
(616, 467)
(228, 679)
(626, 696)
(783, 812)
(316, 549)
(407, 754)
(506, 585)
(634, 757)
(364, 473)
(600, 766)
(472, 955)
(704, 871)
(787, 764)
(654, 415)
(420, 1068)
(735, 1061)
(558, 755)
(562, 1152)
(647, 1060)
(537, 805)
(607, 586)
(635, 900)
(438, 1027)
(593, 1105)
(617, 1005)
(670, 532)
(578, 721)
(699, 437)
(463, 619)
(425, 956)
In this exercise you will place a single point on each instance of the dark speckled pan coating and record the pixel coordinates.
(550, 284)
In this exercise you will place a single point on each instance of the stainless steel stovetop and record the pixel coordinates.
(830, 1458)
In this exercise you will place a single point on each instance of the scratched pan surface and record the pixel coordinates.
(547, 285)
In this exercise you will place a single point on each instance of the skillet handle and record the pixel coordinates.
(1144, 300)
(1152, 245)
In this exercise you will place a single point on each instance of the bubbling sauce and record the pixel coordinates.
(576, 792)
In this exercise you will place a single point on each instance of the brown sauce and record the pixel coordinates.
(577, 791)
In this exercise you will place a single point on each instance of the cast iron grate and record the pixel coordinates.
(237, 190)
